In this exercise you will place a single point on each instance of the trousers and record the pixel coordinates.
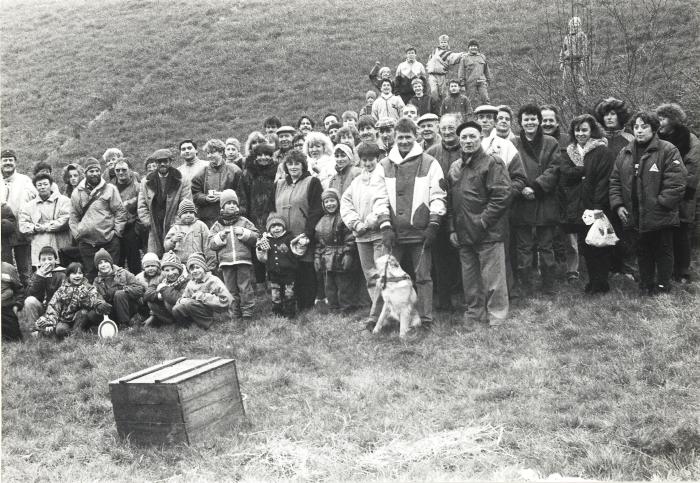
(484, 282)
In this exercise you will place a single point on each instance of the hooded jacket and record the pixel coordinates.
(416, 190)
(473, 69)
(104, 218)
(660, 185)
(689, 148)
(216, 295)
(479, 192)
(342, 178)
(56, 210)
(176, 190)
(334, 241)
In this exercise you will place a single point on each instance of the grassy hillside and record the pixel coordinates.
(80, 76)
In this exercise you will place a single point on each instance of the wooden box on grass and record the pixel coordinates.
(179, 401)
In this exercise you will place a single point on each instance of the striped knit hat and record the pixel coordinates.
(186, 206)
(172, 260)
(150, 259)
(197, 259)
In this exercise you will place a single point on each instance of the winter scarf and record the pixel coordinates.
(228, 220)
(577, 156)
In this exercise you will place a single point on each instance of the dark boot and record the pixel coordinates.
(523, 283)
(547, 280)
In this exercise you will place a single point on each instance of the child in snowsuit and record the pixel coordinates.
(281, 253)
(334, 254)
(231, 238)
(188, 234)
(162, 298)
(118, 287)
(203, 297)
(75, 305)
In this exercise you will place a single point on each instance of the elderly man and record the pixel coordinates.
(215, 178)
(17, 189)
(191, 164)
(416, 189)
(428, 130)
(127, 184)
(285, 135)
(159, 198)
(97, 217)
(478, 194)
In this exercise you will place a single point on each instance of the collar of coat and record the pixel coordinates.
(51, 199)
(467, 158)
(652, 146)
(577, 156)
(83, 185)
(396, 158)
(173, 178)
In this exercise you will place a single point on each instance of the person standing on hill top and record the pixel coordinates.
(438, 64)
(474, 75)
(160, 197)
(416, 189)
(17, 189)
(572, 60)
(129, 188)
(406, 71)
(672, 128)
(191, 163)
(210, 182)
(97, 217)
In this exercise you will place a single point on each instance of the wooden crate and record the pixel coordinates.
(179, 401)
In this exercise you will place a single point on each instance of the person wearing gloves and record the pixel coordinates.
(204, 296)
(335, 254)
(161, 299)
(416, 192)
(231, 237)
(188, 234)
(281, 252)
(118, 287)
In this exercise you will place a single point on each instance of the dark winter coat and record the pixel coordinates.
(218, 178)
(9, 225)
(424, 105)
(334, 241)
(43, 288)
(259, 182)
(67, 301)
(120, 279)
(689, 147)
(13, 292)
(176, 190)
(281, 260)
(584, 187)
(130, 194)
(540, 158)
(660, 180)
(445, 154)
(478, 197)
(457, 104)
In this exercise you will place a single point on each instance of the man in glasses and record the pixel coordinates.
(128, 187)
(159, 198)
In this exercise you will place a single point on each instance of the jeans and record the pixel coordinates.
(524, 239)
(484, 282)
(478, 93)
(340, 290)
(87, 253)
(239, 281)
(33, 309)
(193, 311)
(655, 257)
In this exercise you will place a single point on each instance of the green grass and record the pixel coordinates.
(602, 388)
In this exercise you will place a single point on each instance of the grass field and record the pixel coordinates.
(603, 388)
(600, 388)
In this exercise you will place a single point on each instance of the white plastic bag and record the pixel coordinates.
(601, 233)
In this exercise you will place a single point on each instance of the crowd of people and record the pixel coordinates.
(485, 201)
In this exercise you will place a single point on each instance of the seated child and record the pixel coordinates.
(76, 304)
(370, 97)
(456, 102)
(231, 237)
(150, 277)
(12, 302)
(162, 298)
(203, 297)
(281, 252)
(334, 254)
(188, 235)
(43, 284)
(118, 287)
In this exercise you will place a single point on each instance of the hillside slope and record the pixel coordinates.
(141, 75)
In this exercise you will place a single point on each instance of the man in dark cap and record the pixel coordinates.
(160, 197)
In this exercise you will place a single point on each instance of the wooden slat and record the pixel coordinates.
(143, 394)
(156, 376)
(150, 370)
(199, 371)
(162, 380)
(149, 413)
(152, 433)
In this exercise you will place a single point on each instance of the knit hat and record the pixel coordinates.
(8, 153)
(92, 163)
(197, 259)
(226, 196)
(275, 219)
(171, 260)
(265, 149)
(102, 254)
(347, 150)
(150, 259)
(444, 38)
(329, 193)
(186, 206)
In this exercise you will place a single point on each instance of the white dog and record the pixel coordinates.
(398, 294)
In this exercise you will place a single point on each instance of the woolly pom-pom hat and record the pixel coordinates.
(275, 219)
(171, 260)
(150, 259)
(330, 193)
(186, 206)
(226, 196)
(197, 259)
(102, 254)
